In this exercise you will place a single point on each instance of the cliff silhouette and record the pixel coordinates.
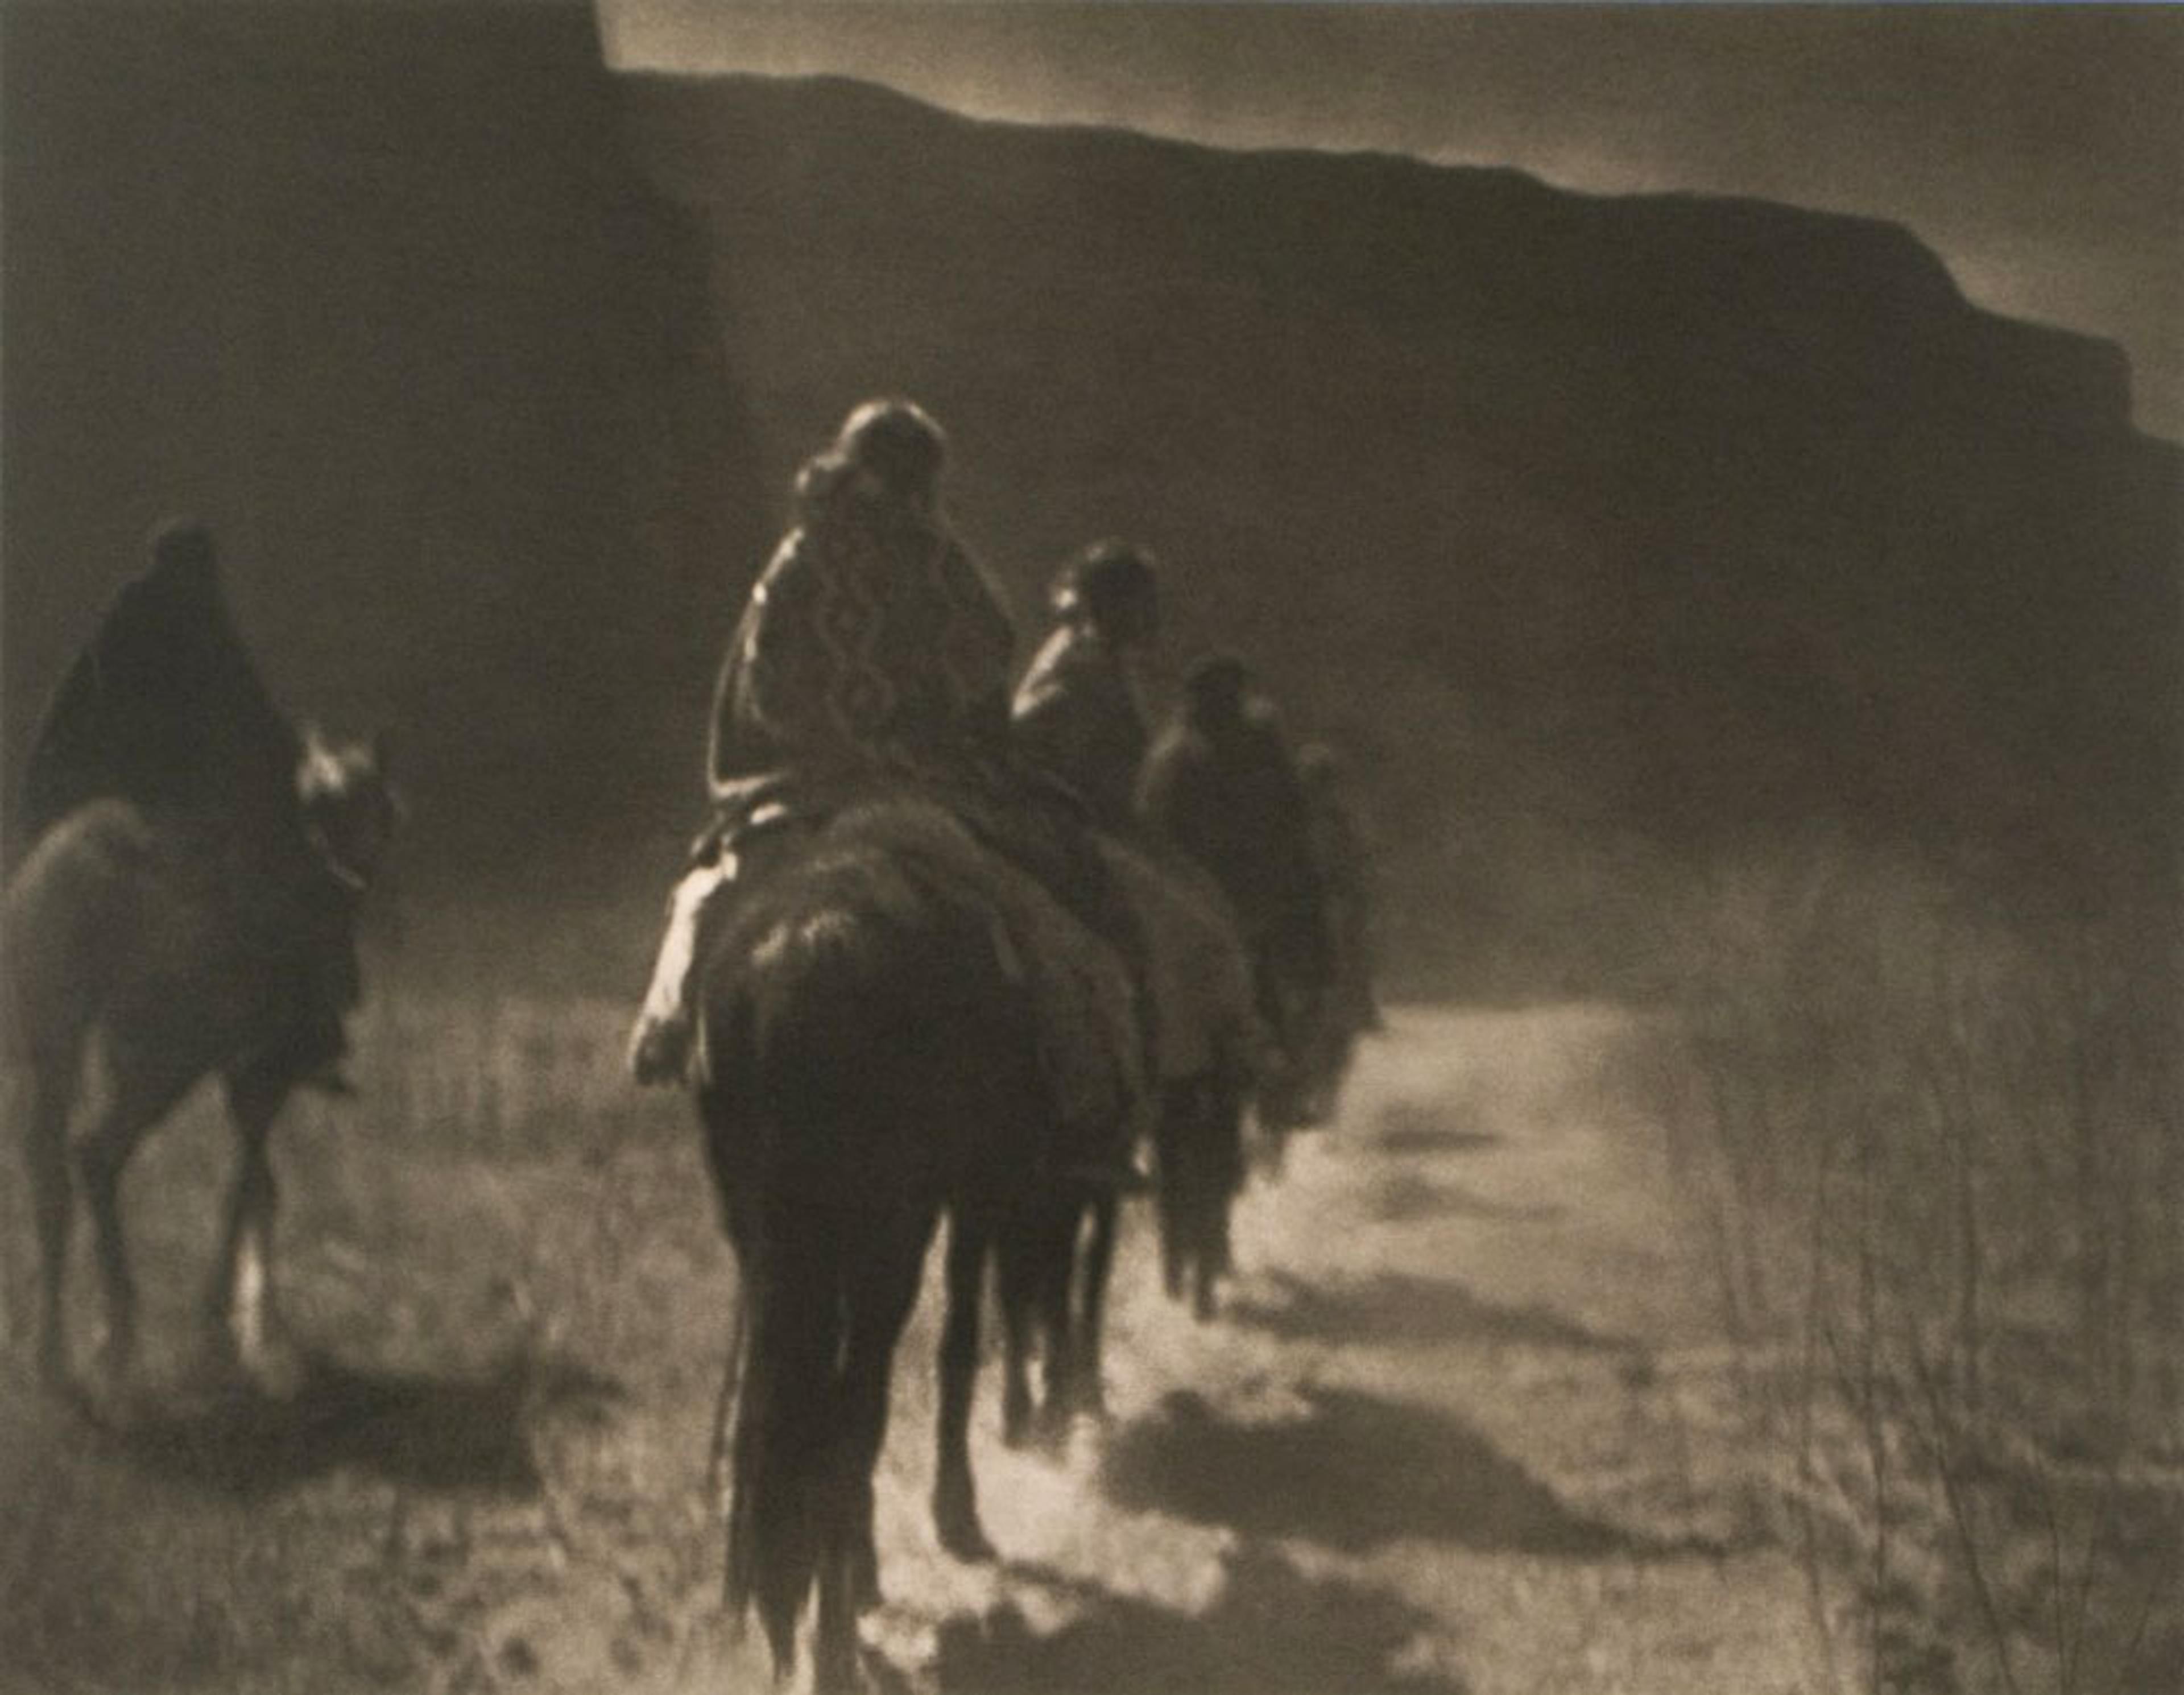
(1601, 534)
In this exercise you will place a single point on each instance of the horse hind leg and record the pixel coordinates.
(835, 1663)
(1221, 1179)
(1212, 1260)
(1064, 1366)
(44, 1016)
(1036, 1290)
(52, 1092)
(881, 1292)
(955, 1493)
(1170, 1135)
(99, 1166)
(1089, 1390)
(144, 1093)
(1020, 1283)
(241, 1317)
(880, 1301)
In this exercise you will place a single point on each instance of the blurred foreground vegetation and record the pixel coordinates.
(1931, 1136)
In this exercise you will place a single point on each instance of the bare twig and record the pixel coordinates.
(1815, 1586)
(2056, 1576)
(2111, 1497)
(2156, 1585)
(1876, 1429)
(1936, 1440)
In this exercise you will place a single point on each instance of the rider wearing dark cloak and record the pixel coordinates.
(163, 709)
(1079, 713)
(1345, 865)
(1221, 786)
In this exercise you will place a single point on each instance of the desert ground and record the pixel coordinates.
(1464, 1421)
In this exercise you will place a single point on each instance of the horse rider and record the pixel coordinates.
(1079, 713)
(873, 656)
(164, 708)
(1220, 785)
(1345, 873)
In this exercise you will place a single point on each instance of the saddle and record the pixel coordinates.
(1082, 992)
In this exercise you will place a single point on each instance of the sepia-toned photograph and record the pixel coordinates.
(1091, 847)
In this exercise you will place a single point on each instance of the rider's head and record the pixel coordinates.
(1216, 688)
(897, 444)
(182, 546)
(1110, 586)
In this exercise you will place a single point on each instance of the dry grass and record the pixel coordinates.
(1455, 1437)
(1934, 1152)
(503, 1263)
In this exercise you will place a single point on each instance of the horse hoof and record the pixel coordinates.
(214, 1371)
(111, 1395)
(1051, 1433)
(962, 1535)
(834, 1675)
(660, 1051)
(865, 1593)
(276, 1369)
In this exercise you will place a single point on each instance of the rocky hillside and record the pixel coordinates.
(373, 290)
(1601, 532)
(1660, 520)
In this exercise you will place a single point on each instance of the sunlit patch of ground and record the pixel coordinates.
(1458, 1430)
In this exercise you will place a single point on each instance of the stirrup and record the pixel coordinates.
(660, 1050)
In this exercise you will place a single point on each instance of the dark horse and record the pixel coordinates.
(869, 1057)
(1052, 1248)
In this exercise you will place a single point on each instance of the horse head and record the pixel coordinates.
(349, 805)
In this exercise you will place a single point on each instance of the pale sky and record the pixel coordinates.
(2037, 148)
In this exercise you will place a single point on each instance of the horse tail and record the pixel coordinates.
(785, 1439)
(775, 977)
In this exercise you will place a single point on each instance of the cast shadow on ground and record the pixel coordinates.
(1406, 1197)
(1271, 1629)
(1427, 1127)
(1356, 1473)
(433, 1431)
(1391, 1307)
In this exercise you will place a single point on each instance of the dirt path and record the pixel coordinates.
(1462, 1428)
